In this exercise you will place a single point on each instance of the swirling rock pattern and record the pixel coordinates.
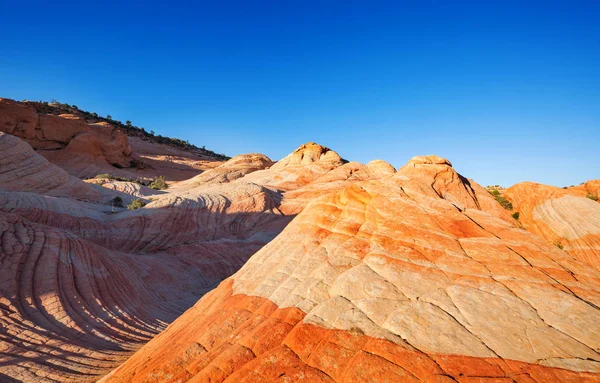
(23, 170)
(84, 284)
(327, 270)
(414, 276)
(564, 217)
(235, 168)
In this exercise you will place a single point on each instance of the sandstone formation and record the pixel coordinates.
(589, 189)
(310, 269)
(301, 167)
(235, 168)
(81, 149)
(87, 149)
(172, 163)
(23, 170)
(417, 275)
(566, 218)
(84, 284)
(131, 188)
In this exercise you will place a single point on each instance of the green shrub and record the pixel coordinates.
(116, 178)
(515, 215)
(159, 184)
(117, 201)
(559, 245)
(495, 192)
(592, 197)
(136, 204)
(504, 202)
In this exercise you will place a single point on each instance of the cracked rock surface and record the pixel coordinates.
(309, 269)
(567, 218)
(417, 275)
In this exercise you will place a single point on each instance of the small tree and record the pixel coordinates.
(108, 117)
(128, 123)
(117, 201)
(159, 184)
(136, 204)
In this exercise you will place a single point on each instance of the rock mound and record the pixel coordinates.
(67, 140)
(299, 168)
(23, 170)
(235, 168)
(388, 280)
(564, 217)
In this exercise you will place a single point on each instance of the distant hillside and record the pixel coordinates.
(57, 108)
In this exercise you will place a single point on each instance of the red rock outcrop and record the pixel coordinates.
(87, 149)
(589, 189)
(67, 140)
(564, 217)
(85, 284)
(23, 170)
(299, 168)
(413, 276)
(235, 168)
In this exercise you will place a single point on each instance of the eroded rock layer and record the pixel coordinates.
(85, 146)
(85, 283)
(417, 275)
(567, 218)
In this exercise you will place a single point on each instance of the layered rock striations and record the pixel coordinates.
(85, 146)
(417, 275)
(67, 140)
(85, 282)
(308, 269)
(567, 218)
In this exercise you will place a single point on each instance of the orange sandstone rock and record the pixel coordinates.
(413, 276)
(565, 218)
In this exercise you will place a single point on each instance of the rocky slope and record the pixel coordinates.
(86, 146)
(311, 268)
(414, 276)
(84, 284)
(567, 218)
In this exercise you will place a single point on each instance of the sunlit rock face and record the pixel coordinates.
(414, 275)
(85, 147)
(235, 168)
(567, 218)
(311, 268)
(67, 140)
(86, 282)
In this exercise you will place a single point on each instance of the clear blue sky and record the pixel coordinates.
(507, 90)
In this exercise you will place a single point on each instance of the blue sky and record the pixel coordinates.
(509, 91)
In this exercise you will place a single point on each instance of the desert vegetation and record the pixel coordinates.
(117, 201)
(159, 184)
(500, 199)
(110, 177)
(136, 204)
